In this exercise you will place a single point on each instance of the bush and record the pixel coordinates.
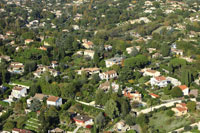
(187, 128)
(170, 113)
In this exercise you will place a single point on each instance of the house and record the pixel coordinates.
(89, 70)
(178, 52)
(184, 89)
(149, 72)
(54, 64)
(160, 81)
(154, 95)
(27, 41)
(180, 109)
(54, 101)
(151, 50)
(10, 33)
(89, 53)
(42, 48)
(56, 130)
(16, 67)
(5, 57)
(83, 121)
(37, 96)
(131, 94)
(18, 92)
(108, 75)
(16, 130)
(88, 44)
(156, 55)
(107, 47)
(173, 81)
(194, 92)
(106, 86)
(121, 126)
(129, 50)
(114, 61)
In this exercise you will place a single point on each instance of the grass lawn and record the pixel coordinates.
(32, 124)
(165, 123)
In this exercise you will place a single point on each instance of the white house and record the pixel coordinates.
(16, 67)
(89, 70)
(89, 53)
(88, 44)
(160, 81)
(114, 61)
(184, 89)
(83, 121)
(54, 64)
(132, 94)
(173, 81)
(27, 41)
(54, 101)
(149, 72)
(106, 86)
(18, 92)
(108, 75)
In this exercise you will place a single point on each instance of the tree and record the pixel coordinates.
(165, 50)
(191, 105)
(130, 120)
(100, 120)
(8, 126)
(170, 113)
(111, 109)
(29, 66)
(96, 58)
(35, 105)
(176, 92)
(134, 52)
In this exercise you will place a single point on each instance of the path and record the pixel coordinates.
(76, 129)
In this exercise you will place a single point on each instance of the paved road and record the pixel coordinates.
(147, 110)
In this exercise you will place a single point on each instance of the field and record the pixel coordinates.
(33, 124)
(165, 123)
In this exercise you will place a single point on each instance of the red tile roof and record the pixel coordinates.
(152, 94)
(53, 98)
(21, 130)
(183, 87)
(181, 109)
(160, 78)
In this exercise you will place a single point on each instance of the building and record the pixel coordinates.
(156, 55)
(107, 47)
(5, 57)
(149, 72)
(37, 96)
(16, 67)
(18, 92)
(88, 44)
(184, 89)
(173, 81)
(83, 121)
(27, 41)
(54, 101)
(108, 75)
(106, 86)
(180, 109)
(129, 50)
(178, 52)
(154, 95)
(114, 61)
(89, 70)
(89, 53)
(133, 95)
(160, 81)
(54, 64)
(16, 130)
(151, 50)
(56, 130)
(194, 92)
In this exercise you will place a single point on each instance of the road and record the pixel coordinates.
(147, 110)
(90, 104)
